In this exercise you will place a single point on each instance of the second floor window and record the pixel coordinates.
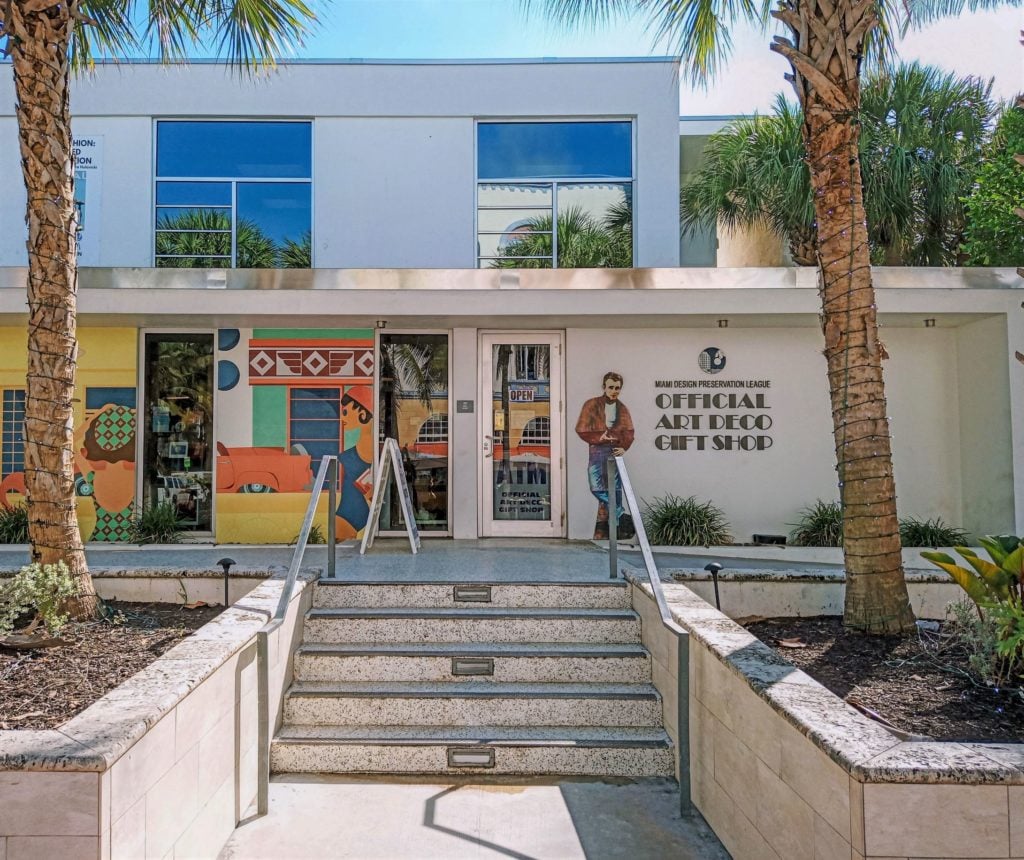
(555, 195)
(233, 194)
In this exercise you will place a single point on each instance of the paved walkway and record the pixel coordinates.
(341, 817)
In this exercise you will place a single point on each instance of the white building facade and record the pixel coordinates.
(457, 255)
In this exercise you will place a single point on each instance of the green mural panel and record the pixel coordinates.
(270, 416)
(312, 333)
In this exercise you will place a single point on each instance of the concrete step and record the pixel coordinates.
(466, 704)
(336, 594)
(538, 663)
(622, 752)
(472, 625)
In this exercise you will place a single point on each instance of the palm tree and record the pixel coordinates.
(46, 41)
(826, 46)
(754, 174)
(583, 241)
(201, 239)
(921, 144)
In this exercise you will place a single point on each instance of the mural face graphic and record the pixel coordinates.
(607, 427)
(105, 466)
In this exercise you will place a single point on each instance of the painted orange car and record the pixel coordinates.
(262, 470)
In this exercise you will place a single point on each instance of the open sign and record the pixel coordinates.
(520, 395)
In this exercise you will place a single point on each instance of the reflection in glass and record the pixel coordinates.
(246, 150)
(554, 150)
(267, 224)
(520, 426)
(414, 410)
(177, 459)
(593, 227)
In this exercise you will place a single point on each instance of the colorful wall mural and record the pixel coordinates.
(286, 398)
(104, 437)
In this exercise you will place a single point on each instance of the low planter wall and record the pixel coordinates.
(163, 766)
(782, 768)
(170, 585)
(774, 593)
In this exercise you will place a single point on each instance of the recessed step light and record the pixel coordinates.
(472, 665)
(471, 594)
(470, 756)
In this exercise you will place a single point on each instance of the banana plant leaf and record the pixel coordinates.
(995, 578)
(973, 585)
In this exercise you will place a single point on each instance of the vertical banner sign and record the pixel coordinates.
(88, 153)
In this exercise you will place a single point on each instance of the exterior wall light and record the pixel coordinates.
(929, 323)
(723, 323)
(382, 323)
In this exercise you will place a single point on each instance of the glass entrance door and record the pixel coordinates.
(177, 454)
(521, 428)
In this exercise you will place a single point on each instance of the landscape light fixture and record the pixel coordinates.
(714, 569)
(226, 564)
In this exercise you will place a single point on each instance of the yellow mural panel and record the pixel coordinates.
(254, 518)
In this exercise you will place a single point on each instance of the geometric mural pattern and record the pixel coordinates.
(276, 363)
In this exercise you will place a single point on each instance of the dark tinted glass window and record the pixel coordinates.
(538, 150)
(249, 150)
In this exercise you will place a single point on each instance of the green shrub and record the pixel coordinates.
(932, 533)
(675, 521)
(39, 590)
(13, 524)
(316, 536)
(157, 523)
(997, 589)
(976, 637)
(820, 525)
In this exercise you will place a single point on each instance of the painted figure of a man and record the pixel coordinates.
(607, 427)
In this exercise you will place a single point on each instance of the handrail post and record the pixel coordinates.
(328, 466)
(613, 519)
(332, 506)
(263, 722)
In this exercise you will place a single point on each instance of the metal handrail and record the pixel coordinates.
(618, 464)
(616, 467)
(328, 472)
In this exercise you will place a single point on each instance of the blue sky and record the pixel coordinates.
(982, 44)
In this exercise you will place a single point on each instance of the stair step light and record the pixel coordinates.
(470, 756)
(471, 594)
(472, 665)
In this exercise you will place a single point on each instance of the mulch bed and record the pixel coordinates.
(45, 688)
(900, 679)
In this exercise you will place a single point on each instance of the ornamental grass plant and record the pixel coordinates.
(676, 521)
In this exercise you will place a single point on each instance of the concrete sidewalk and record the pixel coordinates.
(314, 817)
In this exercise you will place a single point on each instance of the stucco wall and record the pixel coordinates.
(394, 170)
(764, 490)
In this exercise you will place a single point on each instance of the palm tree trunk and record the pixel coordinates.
(825, 55)
(39, 35)
(802, 247)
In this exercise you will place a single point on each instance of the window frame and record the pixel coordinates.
(13, 391)
(552, 182)
(232, 181)
(339, 421)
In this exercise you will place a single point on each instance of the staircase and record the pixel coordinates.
(501, 678)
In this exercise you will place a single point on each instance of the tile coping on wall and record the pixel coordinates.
(863, 747)
(175, 572)
(103, 732)
(795, 575)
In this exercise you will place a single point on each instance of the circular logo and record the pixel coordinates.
(711, 360)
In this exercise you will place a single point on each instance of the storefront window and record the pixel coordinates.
(233, 195)
(177, 448)
(414, 410)
(555, 195)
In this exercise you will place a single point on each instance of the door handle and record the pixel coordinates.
(488, 445)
